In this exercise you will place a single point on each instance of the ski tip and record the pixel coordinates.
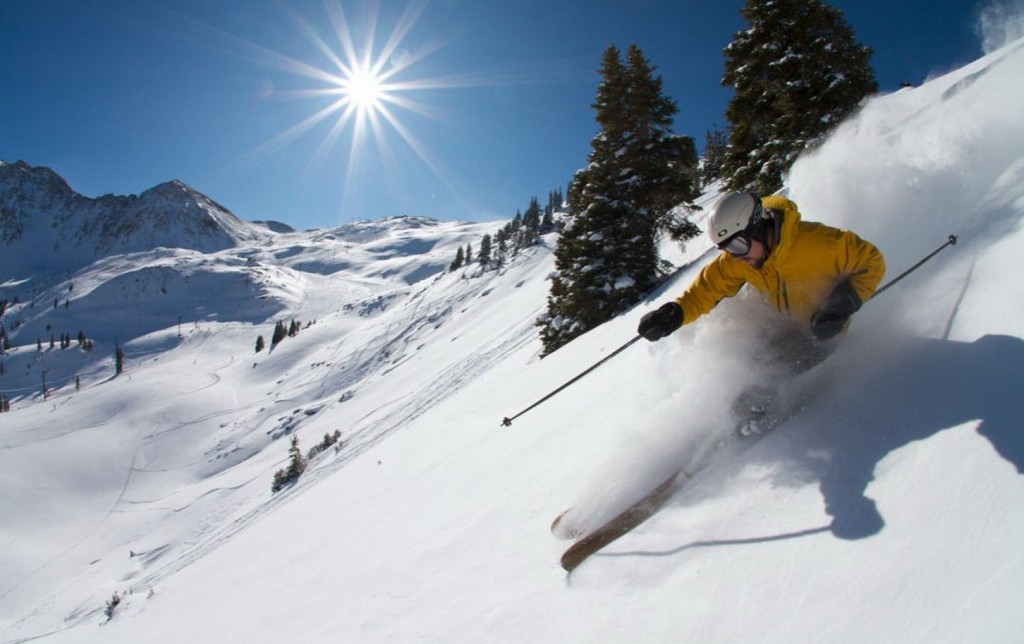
(564, 530)
(571, 560)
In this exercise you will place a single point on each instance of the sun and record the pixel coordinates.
(364, 90)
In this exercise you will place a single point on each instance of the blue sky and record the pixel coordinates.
(493, 96)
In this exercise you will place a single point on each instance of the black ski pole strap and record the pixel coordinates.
(949, 242)
(507, 422)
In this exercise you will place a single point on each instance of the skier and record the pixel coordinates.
(815, 275)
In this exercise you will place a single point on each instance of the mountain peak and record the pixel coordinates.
(21, 173)
(46, 224)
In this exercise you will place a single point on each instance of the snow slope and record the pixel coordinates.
(889, 509)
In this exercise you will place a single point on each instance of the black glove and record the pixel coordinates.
(661, 322)
(832, 317)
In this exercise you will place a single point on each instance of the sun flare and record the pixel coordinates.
(364, 90)
(363, 94)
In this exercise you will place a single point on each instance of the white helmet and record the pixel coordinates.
(733, 213)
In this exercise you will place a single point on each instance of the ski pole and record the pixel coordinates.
(507, 422)
(949, 242)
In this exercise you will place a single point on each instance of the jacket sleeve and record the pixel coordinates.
(719, 279)
(863, 264)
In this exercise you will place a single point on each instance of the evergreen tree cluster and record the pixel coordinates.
(112, 605)
(523, 231)
(84, 343)
(281, 331)
(296, 466)
(796, 73)
(297, 463)
(640, 182)
(328, 441)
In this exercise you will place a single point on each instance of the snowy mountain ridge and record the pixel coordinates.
(45, 225)
(888, 509)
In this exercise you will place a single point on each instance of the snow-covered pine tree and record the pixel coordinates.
(796, 73)
(663, 180)
(483, 256)
(530, 233)
(606, 257)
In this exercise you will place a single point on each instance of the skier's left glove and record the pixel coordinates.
(661, 322)
(832, 317)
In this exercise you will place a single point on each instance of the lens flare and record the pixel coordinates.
(362, 91)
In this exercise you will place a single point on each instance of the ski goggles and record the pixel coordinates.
(738, 245)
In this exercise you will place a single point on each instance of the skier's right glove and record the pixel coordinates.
(661, 322)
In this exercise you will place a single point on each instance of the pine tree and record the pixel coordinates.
(555, 200)
(297, 464)
(483, 256)
(118, 360)
(501, 239)
(716, 142)
(280, 333)
(664, 165)
(638, 173)
(531, 223)
(260, 344)
(460, 259)
(796, 73)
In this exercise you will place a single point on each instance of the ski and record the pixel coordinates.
(560, 531)
(618, 525)
(786, 405)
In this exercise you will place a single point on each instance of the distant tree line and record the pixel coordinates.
(84, 343)
(523, 231)
(281, 331)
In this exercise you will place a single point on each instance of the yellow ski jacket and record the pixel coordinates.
(808, 260)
